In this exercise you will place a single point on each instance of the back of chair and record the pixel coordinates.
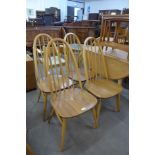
(58, 75)
(94, 60)
(40, 42)
(75, 44)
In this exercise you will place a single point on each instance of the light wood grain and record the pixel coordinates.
(39, 53)
(71, 102)
(40, 42)
(103, 88)
(97, 73)
(77, 48)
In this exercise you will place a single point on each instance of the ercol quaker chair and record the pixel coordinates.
(41, 41)
(39, 52)
(97, 81)
(70, 102)
(77, 48)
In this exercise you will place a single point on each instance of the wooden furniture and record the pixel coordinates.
(109, 12)
(108, 21)
(117, 69)
(70, 102)
(77, 48)
(32, 32)
(30, 75)
(40, 42)
(39, 53)
(81, 32)
(93, 16)
(97, 80)
(54, 12)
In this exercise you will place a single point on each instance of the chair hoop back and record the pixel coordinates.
(39, 45)
(94, 61)
(60, 66)
(75, 43)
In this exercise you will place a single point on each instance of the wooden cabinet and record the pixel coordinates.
(81, 32)
(53, 31)
(30, 74)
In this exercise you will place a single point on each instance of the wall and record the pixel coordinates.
(42, 4)
(96, 5)
(75, 4)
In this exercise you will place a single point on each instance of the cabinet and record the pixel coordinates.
(30, 75)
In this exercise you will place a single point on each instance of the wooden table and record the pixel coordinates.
(117, 68)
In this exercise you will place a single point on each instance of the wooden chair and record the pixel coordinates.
(70, 102)
(77, 48)
(41, 41)
(97, 81)
(39, 52)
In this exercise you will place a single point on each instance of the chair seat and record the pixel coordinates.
(43, 84)
(75, 78)
(104, 88)
(73, 102)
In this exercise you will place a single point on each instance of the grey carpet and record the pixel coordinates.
(111, 138)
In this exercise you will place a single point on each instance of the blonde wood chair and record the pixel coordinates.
(41, 41)
(97, 80)
(71, 102)
(77, 48)
(39, 53)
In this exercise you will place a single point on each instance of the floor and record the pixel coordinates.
(111, 138)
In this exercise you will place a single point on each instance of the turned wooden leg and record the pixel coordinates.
(63, 130)
(51, 115)
(95, 117)
(98, 109)
(45, 106)
(118, 102)
(39, 96)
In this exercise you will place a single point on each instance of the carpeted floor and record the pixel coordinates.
(111, 138)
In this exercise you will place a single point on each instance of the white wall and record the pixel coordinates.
(75, 4)
(42, 4)
(96, 5)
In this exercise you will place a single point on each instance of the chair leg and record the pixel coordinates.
(45, 106)
(95, 117)
(63, 130)
(39, 96)
(51, 115)
(118, 102)
(98, 109)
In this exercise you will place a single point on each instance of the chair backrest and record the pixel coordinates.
(58, 75)
(39, 45)
(94, 61)
(98, 63)
(76, 46)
